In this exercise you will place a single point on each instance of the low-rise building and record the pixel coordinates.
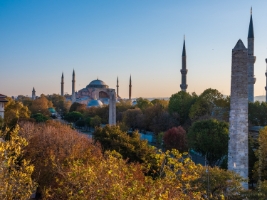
(3, 100)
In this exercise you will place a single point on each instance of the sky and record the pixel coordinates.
(106, 39)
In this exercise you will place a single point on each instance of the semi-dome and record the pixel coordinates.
(95, 103)
(97, 84)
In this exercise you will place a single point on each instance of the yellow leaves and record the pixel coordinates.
(15, 173)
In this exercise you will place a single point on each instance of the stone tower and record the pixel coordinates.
(130, 88)
(238, 122)
(117, 87)
(73, 98)
(62, 84)
(266, 81)
(33, 94)
(112, 107)
(183, 85)
(251, 60)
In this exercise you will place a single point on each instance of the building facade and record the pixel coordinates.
(3, 100)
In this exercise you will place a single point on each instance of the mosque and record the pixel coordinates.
(95, 94)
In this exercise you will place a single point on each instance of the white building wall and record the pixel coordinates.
(2, 109)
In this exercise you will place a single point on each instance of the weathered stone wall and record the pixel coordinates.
(238, 129)
(112, 107)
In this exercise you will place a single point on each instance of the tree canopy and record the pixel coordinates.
(210, 138)
(181, 103)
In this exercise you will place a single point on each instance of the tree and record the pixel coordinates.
(59, 102)
(53, 143)
(95, 121)
(257, 113)
(15, 172)
(164, 103)
(133, 118)
(15, 111)
(39, 117)
(41, 105)
(181, 103)
(143, 103)
(218, 182)
(130, 147)
(73, 116)
(175, 138)
(210, 104)
(210, 138)
(77, 107)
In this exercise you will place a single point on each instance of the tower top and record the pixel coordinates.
(239, 45)
(73, 73)
(33, 89)
(184, 51)
(62, 75)
(250, 30)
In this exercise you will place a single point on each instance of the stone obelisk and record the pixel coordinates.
(238, 129)
(112, 107)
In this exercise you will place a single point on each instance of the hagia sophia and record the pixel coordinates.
(96, 93)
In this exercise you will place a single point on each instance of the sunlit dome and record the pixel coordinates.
(95, 103)
(97, 84)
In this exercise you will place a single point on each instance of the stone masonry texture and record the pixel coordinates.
(238, 129)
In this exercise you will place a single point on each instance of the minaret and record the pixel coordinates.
(251, 60)
(130, 88)
(62, 84)
(33, 94)
(266, 80)
(73, 98)
(117, 87)
(183, 85)
(238, 121)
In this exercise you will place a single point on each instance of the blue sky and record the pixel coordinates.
(108, 38)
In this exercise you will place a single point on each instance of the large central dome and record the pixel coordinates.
(97, 84)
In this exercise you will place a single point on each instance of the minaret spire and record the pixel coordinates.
(73, 98)
(117, 87)
(183, 85)
(62, 84)
(130, 88)
(251, 60)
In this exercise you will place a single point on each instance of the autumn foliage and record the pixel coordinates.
(175, 138)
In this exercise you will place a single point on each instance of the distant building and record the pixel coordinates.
(3, 100)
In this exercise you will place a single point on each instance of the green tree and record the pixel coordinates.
(143, 103)
(40, 117)
(95, 121)
(59, 102)
(181, 103)
(131, 147)
(73, 116)
(164, 103)
(257, 113)
(210, 104)
(14, 111)
(210, 138)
